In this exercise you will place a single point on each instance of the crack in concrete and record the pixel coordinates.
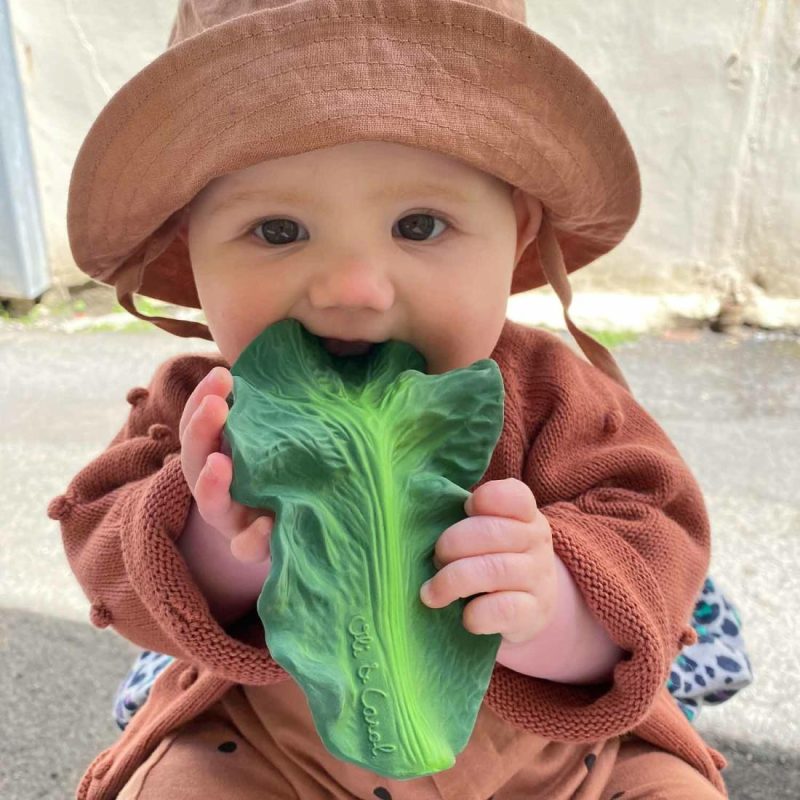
(87, 46)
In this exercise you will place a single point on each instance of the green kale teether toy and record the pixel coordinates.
(366, 460)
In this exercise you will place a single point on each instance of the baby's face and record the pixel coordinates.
(365, 241)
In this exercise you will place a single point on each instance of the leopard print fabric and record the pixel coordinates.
(716, 667)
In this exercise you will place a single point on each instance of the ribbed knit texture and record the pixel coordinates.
(627, 516)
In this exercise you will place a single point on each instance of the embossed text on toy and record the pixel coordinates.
(359, 630)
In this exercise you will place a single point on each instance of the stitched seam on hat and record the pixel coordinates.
(294, 70)
(381, 18)
(204, 55)
(272, 31)
(382, 39)
(289, 131)
(143, 175)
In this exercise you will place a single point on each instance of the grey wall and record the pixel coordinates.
(708, 92)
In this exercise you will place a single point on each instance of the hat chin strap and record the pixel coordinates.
(551, 260)
(129, 281)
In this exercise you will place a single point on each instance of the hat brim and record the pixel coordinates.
(458, 79)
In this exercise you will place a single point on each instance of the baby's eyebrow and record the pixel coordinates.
(292, 196)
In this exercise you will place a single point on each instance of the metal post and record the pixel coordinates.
(24, 272)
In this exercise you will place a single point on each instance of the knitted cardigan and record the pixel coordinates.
(627, 517)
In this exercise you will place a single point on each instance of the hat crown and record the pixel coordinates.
(196, 16)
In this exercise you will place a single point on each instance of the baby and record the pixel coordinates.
(366, 218)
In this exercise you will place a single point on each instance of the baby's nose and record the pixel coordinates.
(354, 284)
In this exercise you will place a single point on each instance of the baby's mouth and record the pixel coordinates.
(340, 347)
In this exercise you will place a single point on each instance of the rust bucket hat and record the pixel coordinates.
(243, 81)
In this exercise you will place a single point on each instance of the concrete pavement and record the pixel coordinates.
(731, 406)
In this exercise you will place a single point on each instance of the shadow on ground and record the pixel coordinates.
(59, 680)
(58, 683)
(758, 773)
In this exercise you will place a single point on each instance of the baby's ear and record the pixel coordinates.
(528, 211)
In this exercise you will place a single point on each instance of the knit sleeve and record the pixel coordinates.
(629, 522)
(120, 518)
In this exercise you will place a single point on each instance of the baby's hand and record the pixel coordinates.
(209, 472)
(504, 548)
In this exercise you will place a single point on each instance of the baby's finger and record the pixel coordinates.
(212, 495)
(516, 615)
(488, 573)
(252, 544)
(202, 437)
(474, 536)
(508, 497)
(219, 381)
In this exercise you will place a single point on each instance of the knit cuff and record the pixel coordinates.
(166, 587)
(585, 713)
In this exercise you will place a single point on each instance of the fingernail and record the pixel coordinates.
(210, 468)
(425, 592)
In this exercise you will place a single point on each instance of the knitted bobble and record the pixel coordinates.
(99, 615)
(187, 678)
(59, 507)
(612, 422)
(159, 432)
(720, 762)
(102, 767)
(135, 396)
(688, 636)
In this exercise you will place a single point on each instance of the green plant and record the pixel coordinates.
(146, 305)
(366, 460)
(134, 326)
(613, 338)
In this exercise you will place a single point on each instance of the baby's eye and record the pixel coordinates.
(416, 226)
(419, 224)
(278, 231)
